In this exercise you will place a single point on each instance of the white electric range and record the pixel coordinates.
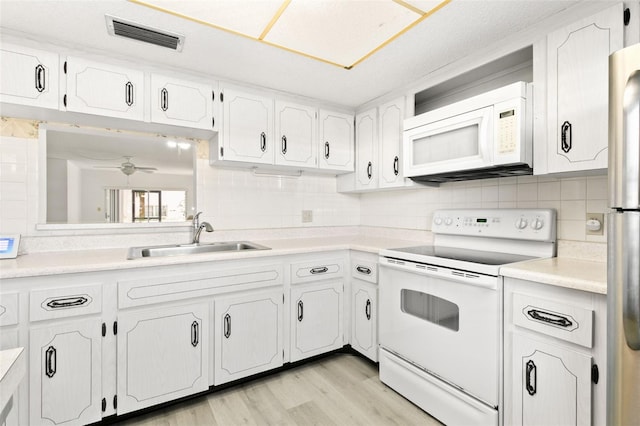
(441, 313)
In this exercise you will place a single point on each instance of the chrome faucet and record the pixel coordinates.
(197, 228)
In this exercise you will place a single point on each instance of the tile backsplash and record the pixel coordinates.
(572, 198)
(240, 199)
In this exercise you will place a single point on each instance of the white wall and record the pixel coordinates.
(74, 193)
(57, 190)
(237, 199)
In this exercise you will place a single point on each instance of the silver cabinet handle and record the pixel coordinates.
(319, 270)
(369, 169)
(531, 373)
(284, 144)
(367, 309)
(50, 362)
(128, 93)
(227, 326)
(263, 142)
(363, 270)
(40, 78)
(300, 310)
(67, 302)
(195, 333)
(164, 99)
(396, 165)
(549, 318)
(326, 150)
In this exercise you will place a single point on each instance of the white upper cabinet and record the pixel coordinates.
(103, 89)
(296, 134)
(577, 94)
(28, 76)
(366, 149)
(247, 134)
(379, 133)
(336, 141)
(390, 128)
(181, 102)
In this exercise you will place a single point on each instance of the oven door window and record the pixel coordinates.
(430, 308)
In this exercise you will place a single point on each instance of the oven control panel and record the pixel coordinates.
(521, 224)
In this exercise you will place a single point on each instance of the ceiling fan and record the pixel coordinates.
(128, 168)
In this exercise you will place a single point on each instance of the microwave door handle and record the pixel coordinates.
(631, 279)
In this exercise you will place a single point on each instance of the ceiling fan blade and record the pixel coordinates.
(145, 168)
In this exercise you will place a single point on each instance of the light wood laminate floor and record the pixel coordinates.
(341, 389)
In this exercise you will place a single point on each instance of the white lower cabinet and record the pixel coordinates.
(364, 318)
(163, 354)
(316, 318)
(65, 373)
(248, 333)
(555, 355)
(552, 384)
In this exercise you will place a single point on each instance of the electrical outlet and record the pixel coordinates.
(307, 216)
(595, 223)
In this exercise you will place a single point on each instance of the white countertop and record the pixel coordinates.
(586, 275)
(12, 368)
(53, 263)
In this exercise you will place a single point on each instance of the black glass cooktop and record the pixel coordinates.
(465, 255)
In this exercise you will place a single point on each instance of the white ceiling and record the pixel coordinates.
(458, 29)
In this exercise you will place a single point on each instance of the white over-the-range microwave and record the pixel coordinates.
(485, 136)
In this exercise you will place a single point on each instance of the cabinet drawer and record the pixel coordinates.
(313, 271)
(8, 309)
(170, 287)
(364, 269)
(65, 302)
(571, 323)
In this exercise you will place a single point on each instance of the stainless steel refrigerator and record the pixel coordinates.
(623, 259)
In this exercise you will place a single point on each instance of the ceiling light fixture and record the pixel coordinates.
(343, 33)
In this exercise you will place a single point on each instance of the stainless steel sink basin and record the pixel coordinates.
(182, 249)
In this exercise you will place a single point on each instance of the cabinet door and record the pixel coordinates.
(103, 89)
(364, 319)
(552, 384)
(65, 375)
(248, 127)
(248, 335)
(181, 102)
(336, 141)
(296, 135)
(366, 149)
(163, 354)
(28, 76)
(578, 91)
(390, 125)
(316, 319)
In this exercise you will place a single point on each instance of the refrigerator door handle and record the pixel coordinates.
(630, 148)
(631, 280)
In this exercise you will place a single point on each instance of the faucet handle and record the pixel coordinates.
(195, 219)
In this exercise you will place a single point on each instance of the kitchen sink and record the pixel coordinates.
(183, 249)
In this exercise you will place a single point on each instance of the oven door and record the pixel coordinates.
(444, 321)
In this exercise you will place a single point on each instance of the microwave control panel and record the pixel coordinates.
(507, 131)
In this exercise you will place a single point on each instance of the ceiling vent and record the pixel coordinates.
(132, 30)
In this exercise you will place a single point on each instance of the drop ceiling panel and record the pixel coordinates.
(341, 32)
(246, 17)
